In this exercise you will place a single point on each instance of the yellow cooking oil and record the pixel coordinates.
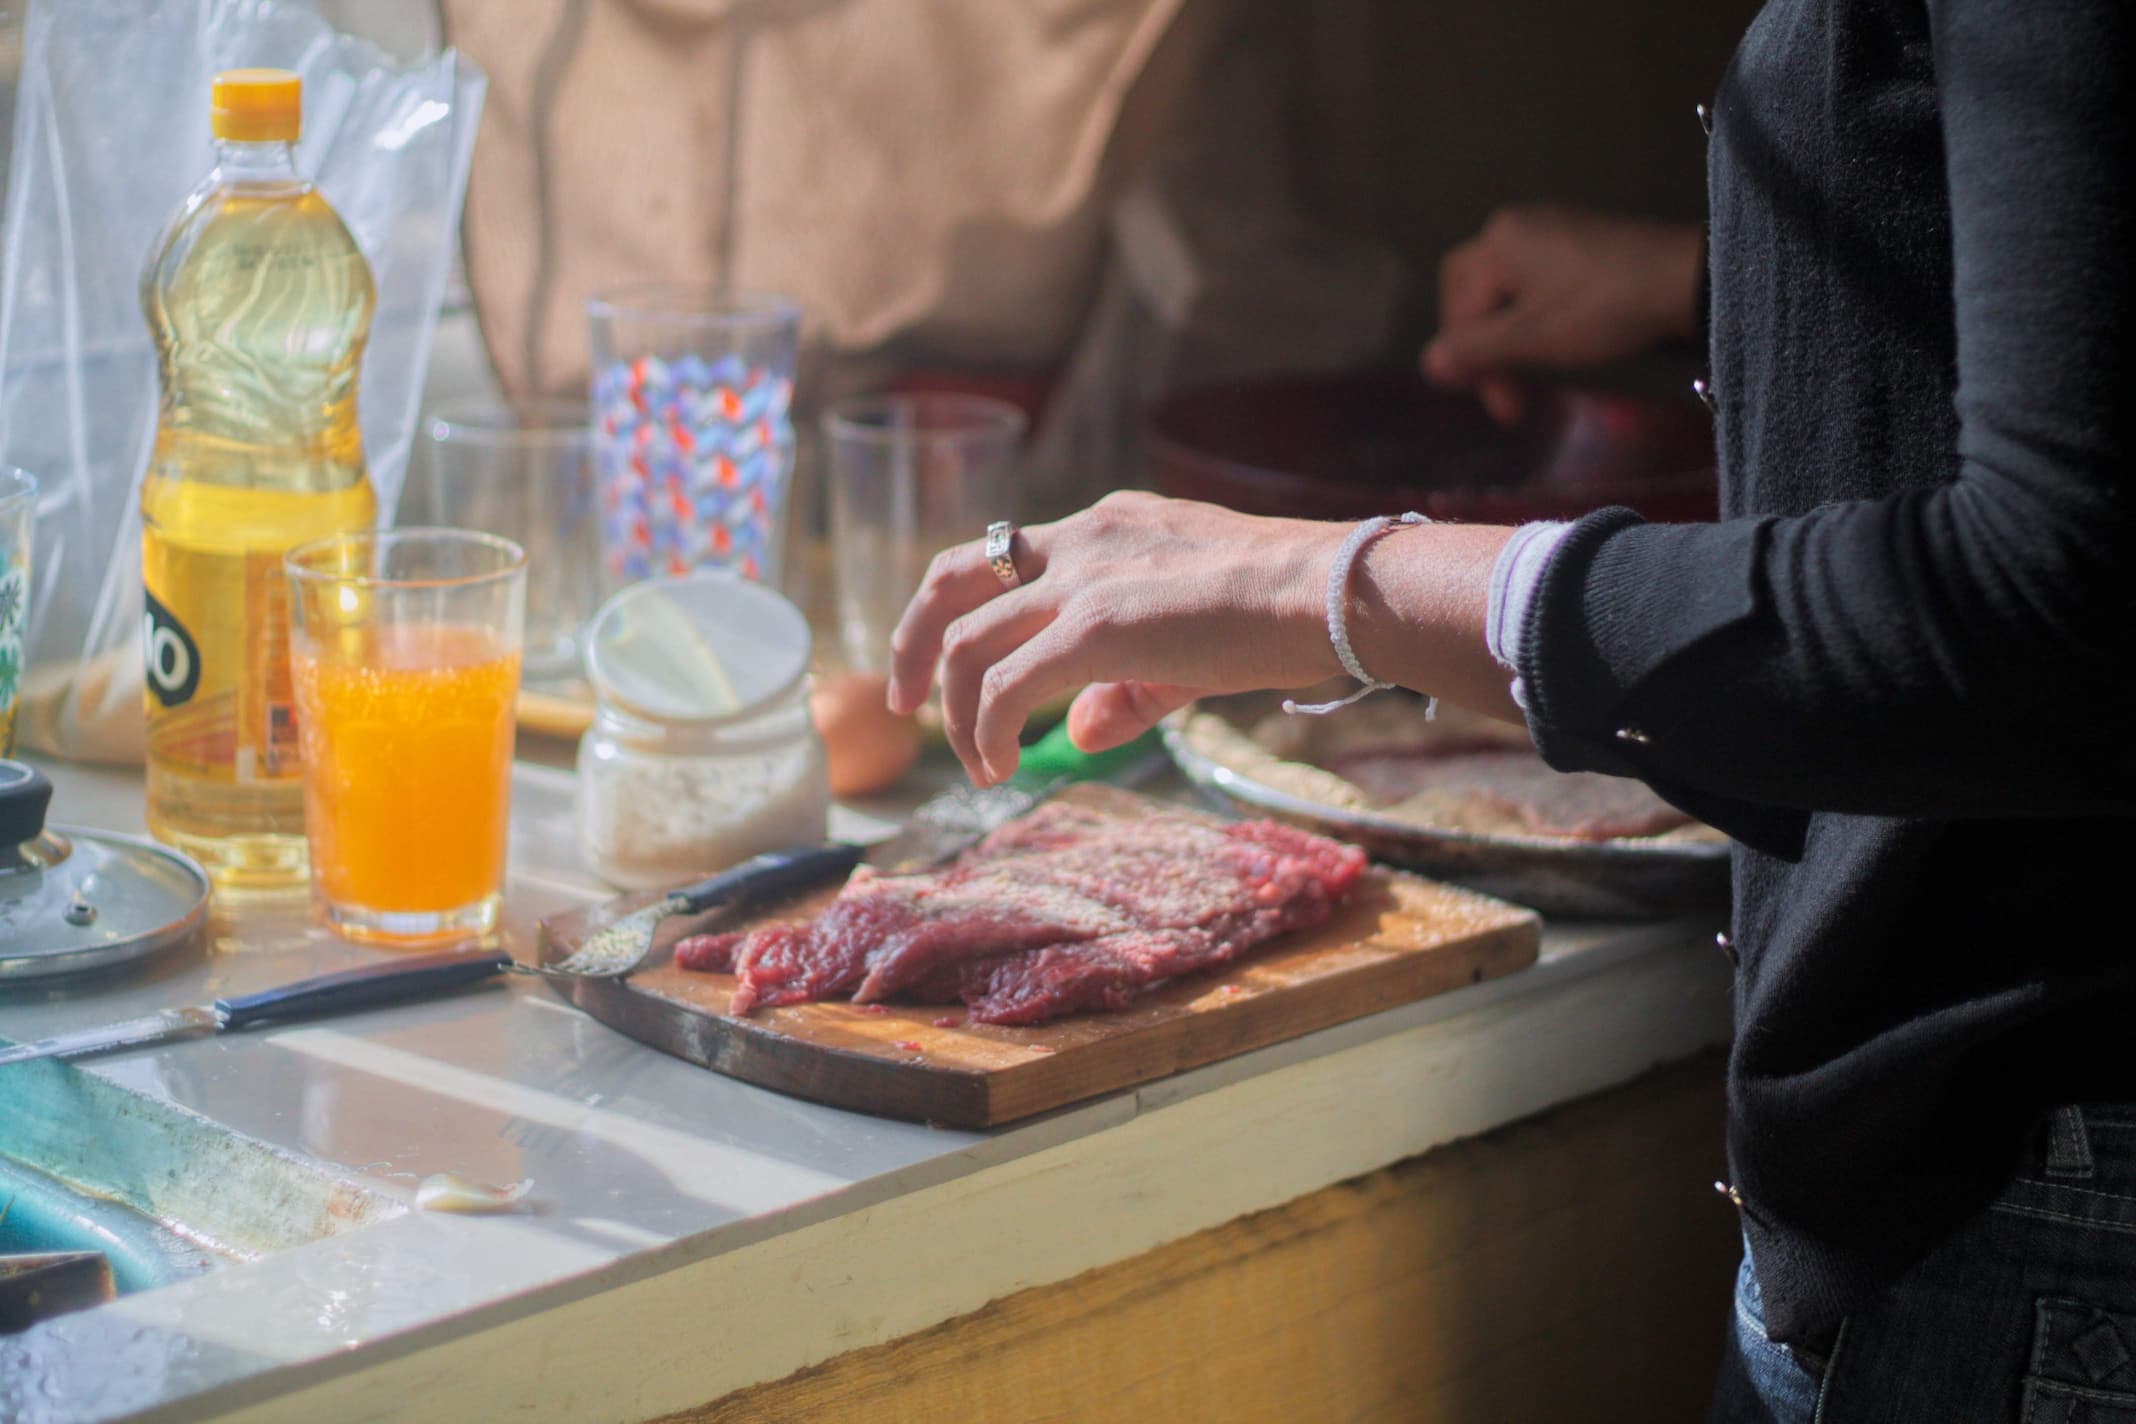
(259, 302)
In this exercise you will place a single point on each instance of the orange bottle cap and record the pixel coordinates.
(256, 106)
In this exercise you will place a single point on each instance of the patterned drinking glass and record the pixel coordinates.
(693, 442)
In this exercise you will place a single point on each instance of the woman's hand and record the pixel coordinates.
(1147, 603)
(1143, 602)
(1555, 286)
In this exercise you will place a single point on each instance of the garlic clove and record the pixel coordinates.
(449, 1191)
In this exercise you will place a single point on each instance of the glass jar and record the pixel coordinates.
(701, 751)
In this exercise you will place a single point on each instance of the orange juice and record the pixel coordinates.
(406, 732)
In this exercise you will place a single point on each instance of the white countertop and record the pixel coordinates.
(690, 1235)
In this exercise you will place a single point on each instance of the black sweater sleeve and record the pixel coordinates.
(1960, 651)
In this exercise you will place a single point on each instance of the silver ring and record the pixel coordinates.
(999, 536)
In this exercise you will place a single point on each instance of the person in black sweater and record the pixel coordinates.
(1896, 671)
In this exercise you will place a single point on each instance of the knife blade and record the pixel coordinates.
(367, 986)
(133, 1033)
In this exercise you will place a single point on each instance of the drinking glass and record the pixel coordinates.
(523, 471)
(910, 475)
(18, 519)
(404, 649)
(693, 441)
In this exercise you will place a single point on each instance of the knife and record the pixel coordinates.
(368, 986)
(618, 937)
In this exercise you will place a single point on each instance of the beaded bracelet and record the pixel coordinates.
(1338, 625)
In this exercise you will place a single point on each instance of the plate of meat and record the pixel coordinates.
(1102, 940)
(1457, 796)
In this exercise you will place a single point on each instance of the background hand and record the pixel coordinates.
(1556, 286)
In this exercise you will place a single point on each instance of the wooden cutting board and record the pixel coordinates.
(1396, 938)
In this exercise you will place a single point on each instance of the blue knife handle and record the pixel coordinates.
(388, 982)
(769, 876)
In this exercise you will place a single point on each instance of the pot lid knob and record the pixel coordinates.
(25, 796)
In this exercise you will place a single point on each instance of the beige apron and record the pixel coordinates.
(920, 174)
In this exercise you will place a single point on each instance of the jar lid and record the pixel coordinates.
(705, 647)
(73, 900)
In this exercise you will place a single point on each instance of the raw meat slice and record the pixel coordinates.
(910, 922)
(994, 910)
(1289, 880)
(885, 930)
(1099, 974)
(710, 953)
(1160, 873)
(1508, 790)
(1104, 880)
(1050, 825)
(1060, 910)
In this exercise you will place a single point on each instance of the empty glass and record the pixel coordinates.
(910, 475)
(693, 442)
(522, 471)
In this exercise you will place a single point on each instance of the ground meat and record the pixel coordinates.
(1508, 790)
(1059, 911)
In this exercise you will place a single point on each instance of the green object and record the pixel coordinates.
(1053, 757)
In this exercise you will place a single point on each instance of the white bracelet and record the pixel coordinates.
(1338, 625)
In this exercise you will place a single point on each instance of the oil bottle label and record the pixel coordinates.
(173, 659)
(216, 640)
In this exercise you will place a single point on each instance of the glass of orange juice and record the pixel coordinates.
(404, 650)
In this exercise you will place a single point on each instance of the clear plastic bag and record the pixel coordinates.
(111, 132)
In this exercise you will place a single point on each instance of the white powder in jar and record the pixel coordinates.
(649, 821)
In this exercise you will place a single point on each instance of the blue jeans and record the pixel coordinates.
(2024, 1315)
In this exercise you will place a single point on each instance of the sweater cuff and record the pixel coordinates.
(1608, 657)
(1569, 688)
(1514, 581)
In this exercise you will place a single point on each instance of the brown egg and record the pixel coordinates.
(868, 746)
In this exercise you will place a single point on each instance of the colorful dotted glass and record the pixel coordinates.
(693, 440)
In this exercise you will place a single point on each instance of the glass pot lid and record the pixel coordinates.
(73, 899)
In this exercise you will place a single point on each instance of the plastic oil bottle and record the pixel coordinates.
(259, 302)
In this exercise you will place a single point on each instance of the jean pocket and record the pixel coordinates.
(2083, 1365)
(1778, 1376)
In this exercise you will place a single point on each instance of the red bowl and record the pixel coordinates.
(1347, 447)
